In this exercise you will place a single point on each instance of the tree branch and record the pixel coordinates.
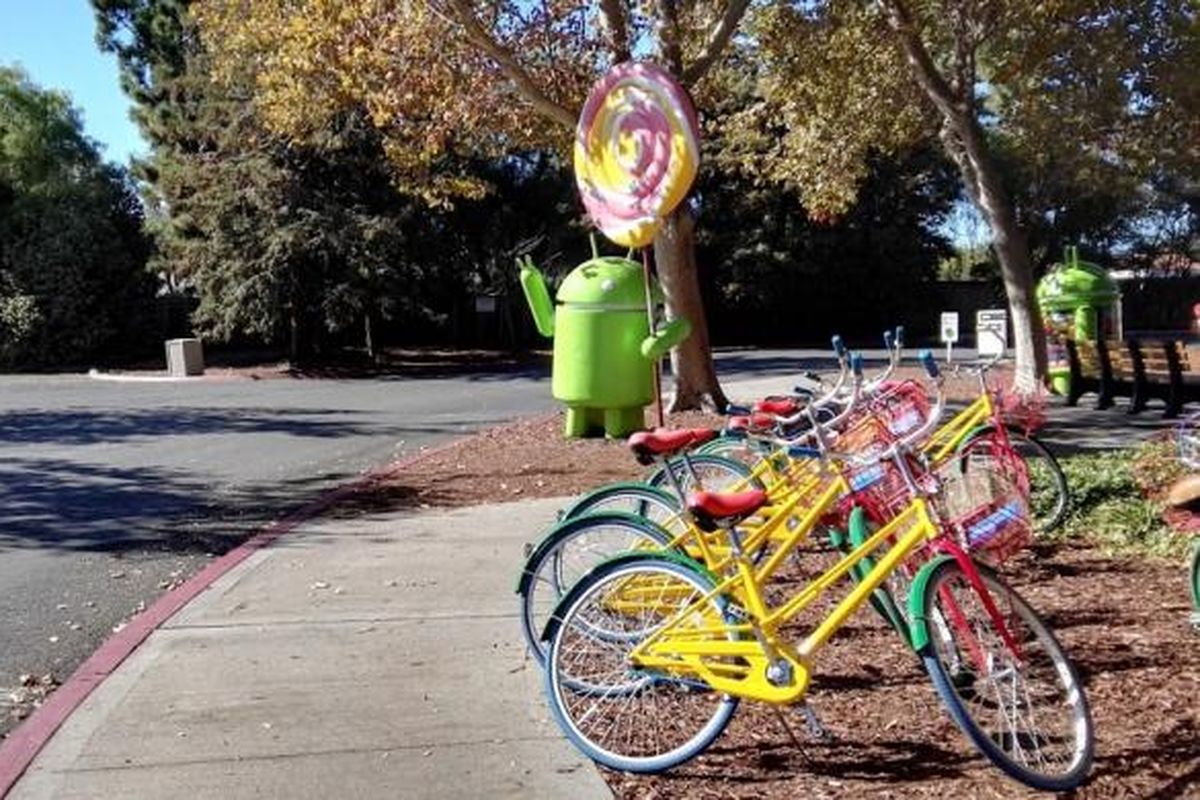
(459, 11)
(668, 35)
(616, 25)
(717, 39)
(925, 71)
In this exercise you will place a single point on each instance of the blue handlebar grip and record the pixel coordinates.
(839, 347)
(887, 340)
(856, 362)
(796, 451)
(927, 361)
(899, 337)
(742, 411)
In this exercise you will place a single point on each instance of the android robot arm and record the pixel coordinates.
(656, 345)
(538, 297)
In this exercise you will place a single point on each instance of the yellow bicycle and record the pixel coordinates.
(650, 652)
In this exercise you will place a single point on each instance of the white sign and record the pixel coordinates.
(949, 327)
(991, 331)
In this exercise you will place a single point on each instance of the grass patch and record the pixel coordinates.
(1114, 501)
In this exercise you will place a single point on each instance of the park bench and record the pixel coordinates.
(1169, 370)
(1141, 369)
(1091, 372)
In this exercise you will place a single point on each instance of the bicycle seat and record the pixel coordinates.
(663, 441)
(753, 422)
(780, 406)
(714, 510)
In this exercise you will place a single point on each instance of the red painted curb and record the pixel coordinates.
(23, 744)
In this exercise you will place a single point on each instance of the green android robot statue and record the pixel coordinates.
(604, 350)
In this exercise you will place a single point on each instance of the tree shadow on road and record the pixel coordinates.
(65, 505)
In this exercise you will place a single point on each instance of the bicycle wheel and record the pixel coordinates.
(1028, 715)
(620, 716)
(1194, 579)
(1049, 494)
(736, 448)
(565, 554)
(888, 599)
(716, 474)
(659, 506)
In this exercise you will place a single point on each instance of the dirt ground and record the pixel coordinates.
(1124, 621)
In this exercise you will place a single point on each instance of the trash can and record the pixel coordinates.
(184, 357)
(1078, 300)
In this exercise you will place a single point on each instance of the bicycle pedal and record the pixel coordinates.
(812, 723)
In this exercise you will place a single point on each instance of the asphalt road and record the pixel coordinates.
(110, 493)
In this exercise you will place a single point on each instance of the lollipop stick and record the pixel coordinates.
(658, 405)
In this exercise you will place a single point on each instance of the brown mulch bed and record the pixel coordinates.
(1124, 621)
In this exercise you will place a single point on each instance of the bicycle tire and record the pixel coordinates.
(681, 701)
(640, 499)
(1194, 580)
(974, 701)
(881, 600)
(542, 570)
(728, 471)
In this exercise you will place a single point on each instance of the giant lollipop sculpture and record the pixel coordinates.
(637, 148)
(636, 154)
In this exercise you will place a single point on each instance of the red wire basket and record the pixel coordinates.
(981, 499)
(1024, 411)
(903, 405)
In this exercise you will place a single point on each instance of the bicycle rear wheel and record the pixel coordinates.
(565, 554)
(1028, 714)
(659, 506)
(619, 715)
(716, 474)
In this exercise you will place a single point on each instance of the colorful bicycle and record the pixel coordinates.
(650, 652)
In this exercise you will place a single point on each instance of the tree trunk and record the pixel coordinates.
(982, 176)
(696, 382)
(369, 336)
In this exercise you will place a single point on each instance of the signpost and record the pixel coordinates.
(991, 332)
(949, 328)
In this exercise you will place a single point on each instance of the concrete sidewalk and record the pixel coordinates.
(377, 656)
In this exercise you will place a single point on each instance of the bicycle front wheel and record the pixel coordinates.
(1025, 710)
(621, 716)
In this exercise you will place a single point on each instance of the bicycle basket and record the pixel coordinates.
(1026, 412)
(982, 501)
(903, 407)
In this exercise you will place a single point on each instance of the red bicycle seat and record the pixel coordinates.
(708, 507)
(782, 406)
(754, 422)
(662, 441)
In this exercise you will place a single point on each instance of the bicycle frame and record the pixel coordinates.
(705, 650)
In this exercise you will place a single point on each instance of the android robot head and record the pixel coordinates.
(604, 350)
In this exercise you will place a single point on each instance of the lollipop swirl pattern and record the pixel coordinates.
(637, 149)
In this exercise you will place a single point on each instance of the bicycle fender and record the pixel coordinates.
(548, 540)
(974, 434)
(918, 625)
(565, 602)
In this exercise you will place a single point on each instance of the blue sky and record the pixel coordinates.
(55, 42)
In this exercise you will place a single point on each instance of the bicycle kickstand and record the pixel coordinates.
(813, 724)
